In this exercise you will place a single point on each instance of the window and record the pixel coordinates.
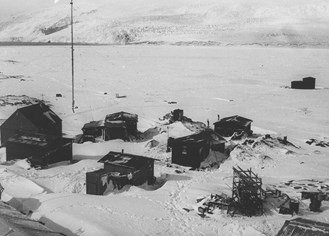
(184, 150)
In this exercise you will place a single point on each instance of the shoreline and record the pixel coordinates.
(162, 43)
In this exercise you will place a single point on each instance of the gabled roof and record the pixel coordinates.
(14, 223)
(304, 227)
(235, 119)
(121, 116)
(197, 137)
(39, 115)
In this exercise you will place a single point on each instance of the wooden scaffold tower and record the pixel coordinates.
(247, 193)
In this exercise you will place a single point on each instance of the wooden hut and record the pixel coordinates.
(121, 125)
(97, 181)
(233, 124)
(93, 131)
(37, 118)
(306, 83)
(127, 168)
(309, 83)
(177, 115)
(193, 149)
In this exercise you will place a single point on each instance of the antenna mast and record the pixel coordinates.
(72, 54)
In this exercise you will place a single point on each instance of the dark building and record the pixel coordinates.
(193, 149)
(229, 125)
(121, 125)
(97, 181)
(14, 223)
(304, 227)
(120, 169)
(41, 150)
(134, 169)
(306, 83)
(94, 130)
(177, 115)
(37, 118)
(35, 132)
(309, 83)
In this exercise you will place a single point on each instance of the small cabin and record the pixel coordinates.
(37, 118)
(120, 169)
(233, 124)
(121, 125)
(137, 169)
(193, 149)
(94, 130)
(306, 83)
(41, 150)
(304, 227)
(177, 115)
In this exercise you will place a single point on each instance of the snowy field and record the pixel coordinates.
(204, 81)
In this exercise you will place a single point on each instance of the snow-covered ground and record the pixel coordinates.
(205, 82)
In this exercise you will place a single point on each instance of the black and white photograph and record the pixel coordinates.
(164, 117)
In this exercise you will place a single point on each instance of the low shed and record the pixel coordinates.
(41, 150)
(193, 149)
(130, 169)
(306, 83)
(94, 130)
(121, 125)
(304, 227)
(97, 182)
(229, 125)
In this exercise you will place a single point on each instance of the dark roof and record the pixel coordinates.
(121, 116)
(94, 124)
(208, 134)
(14, 223)
(235, 119)
(124, 159)
(304, 227)
(40, 115)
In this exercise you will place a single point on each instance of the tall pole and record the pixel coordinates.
(72, 54)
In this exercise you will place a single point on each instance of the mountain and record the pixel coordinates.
(225, 22)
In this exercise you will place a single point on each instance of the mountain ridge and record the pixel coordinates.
(249, 22)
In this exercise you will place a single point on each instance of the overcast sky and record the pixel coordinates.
(13, 7)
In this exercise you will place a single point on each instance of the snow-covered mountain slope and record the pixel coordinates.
(281, 22)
